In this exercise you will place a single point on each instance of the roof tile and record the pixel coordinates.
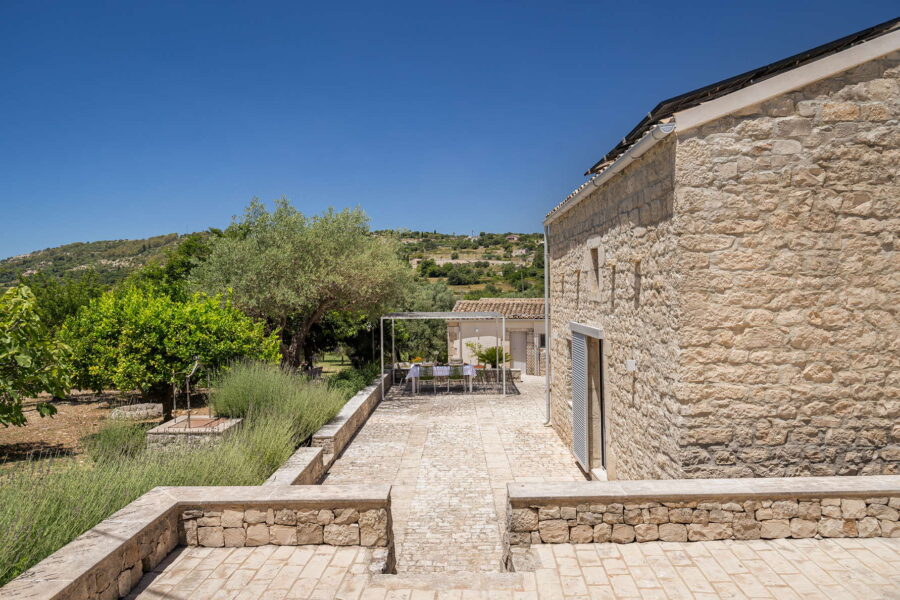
(511, 308)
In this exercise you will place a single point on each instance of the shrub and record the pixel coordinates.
(116, 440)
(489, 355)
(260, 391)
(350, 381)
(138, 338)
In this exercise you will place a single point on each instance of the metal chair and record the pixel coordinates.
(427, 374)
(456, 374)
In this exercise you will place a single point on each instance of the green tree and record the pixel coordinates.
(30, 358)
(426, 338)
(57, 298)
(170, 272)
(141, 338)
(292, 270)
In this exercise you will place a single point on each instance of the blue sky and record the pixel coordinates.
(126, 119)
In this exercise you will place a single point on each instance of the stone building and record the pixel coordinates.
(525, 334)
(724, 288)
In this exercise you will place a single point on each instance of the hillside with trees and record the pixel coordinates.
(473, 266)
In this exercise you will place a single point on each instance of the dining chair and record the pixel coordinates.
(427, 374)
(457, 373)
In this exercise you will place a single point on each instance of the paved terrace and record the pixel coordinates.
(452, 455)
(858, 569)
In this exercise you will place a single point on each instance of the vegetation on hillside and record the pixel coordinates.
(487, 264)
(113, 260)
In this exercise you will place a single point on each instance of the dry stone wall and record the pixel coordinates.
(697, 521)
(788, 215)
(280, 526)
(631, 296)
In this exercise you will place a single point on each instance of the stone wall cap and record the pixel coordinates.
(329, 429)
(337, 495)
(523, 494)
(295, 466)
(169, 427)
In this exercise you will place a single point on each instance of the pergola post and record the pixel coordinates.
(381, 352)
(497, 350)
(503, 353)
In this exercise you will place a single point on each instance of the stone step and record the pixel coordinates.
(451, 581)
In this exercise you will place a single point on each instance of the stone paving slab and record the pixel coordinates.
(449, 458)
(855, 569)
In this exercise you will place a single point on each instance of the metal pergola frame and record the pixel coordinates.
(499, 319)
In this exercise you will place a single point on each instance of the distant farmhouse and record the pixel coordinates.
(724, 289)
(525, 339)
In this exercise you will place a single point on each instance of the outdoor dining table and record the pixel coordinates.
(440, 371)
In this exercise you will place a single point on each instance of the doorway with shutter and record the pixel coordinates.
(589, 431)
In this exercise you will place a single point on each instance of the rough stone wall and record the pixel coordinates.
(237, 528)
(120, 571)
(697, 521)
(788, 215)
(634, 303)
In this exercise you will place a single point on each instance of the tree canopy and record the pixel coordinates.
(30, 358)
(141, 338)
(291, 269)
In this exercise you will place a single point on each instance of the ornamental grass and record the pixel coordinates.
(46, 503)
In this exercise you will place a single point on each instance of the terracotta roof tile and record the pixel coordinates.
(512, 308)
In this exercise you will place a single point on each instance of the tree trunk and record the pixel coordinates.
(161, 393)
(292, 352)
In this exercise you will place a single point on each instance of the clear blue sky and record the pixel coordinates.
(129, 119)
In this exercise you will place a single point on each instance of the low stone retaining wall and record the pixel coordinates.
(335, 435)
(304, 467)
(176, 431)
(108, 560)
(281, 526)
(703, 509)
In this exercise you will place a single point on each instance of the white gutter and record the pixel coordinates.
(638, 149)
(547, 341)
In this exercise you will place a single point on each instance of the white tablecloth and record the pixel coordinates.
(468, 371)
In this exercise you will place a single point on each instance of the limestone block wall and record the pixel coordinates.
(788, 215)
(236, 527)
(701, 510)
(632, 298)
(698, 521)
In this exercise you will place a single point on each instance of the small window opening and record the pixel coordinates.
(637, 284)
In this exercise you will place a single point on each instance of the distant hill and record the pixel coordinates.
(112, 259)
(473, 265)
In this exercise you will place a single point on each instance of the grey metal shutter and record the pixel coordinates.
(579, 400)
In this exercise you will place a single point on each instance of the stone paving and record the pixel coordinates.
(788, 569)
(449, 458)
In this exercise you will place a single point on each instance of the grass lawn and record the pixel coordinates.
(331, 363)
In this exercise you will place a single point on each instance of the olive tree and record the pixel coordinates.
(291, 269)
